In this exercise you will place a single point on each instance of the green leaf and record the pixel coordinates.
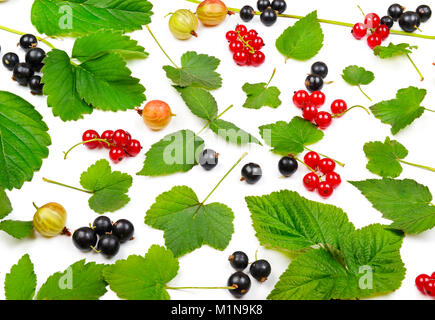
(139, 278)
(393, 50)
(79, 17)
(200, 102)
(401, 111)
(405, 202)
(107, 41)
(81, 281)
(356, 76)
(20, 282)
(108, 188)
(197, 70)
(176, 152)
(303, 40)
(17, 229)
(5, 204)
(23, 140)
(189, 224)
(231, 133)
(260, 95)
(288, 221)
(290, 138)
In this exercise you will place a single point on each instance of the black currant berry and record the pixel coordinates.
(314, 82)
(34, 57)
(247, 13)
(208, 159)
(241, 282)
(102, 225)
(251, 173)
(388, 21)
(424, 12)
(10, 59)
(28, 41)
(85, 238)
(22, 73)
(287, 166)
(260, 270)
(262, 5)
(35, 85)
(123, 229)
(395, 11)
(239, 260)
(109, 245)
(409, 21)
(268, 17)
(279, 5)
(320, 68)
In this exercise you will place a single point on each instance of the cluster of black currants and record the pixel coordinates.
(24, 72)
(409, 21)
(269, 11)
(108, 235)
(314, 81)
(240, 281)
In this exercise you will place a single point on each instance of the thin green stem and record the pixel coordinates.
(161, 48)
(23, 33)
(362, 11)
(357, 106)
(66, 186)
(208, 122)
(84, 142)
(359, 87)
(430, 110)
(415, 66)
(417, 165)
(341, 164)
(203, 128)
(223, 112)
(36, 207)
(309, 168)
(270, 80)
(202, 288)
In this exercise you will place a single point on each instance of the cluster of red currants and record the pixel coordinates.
(426, 284)
(378, 32)
(119, 142)
(245, 46)
(322, 177)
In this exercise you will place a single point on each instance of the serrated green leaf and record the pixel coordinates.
(401, 111)
(79, 17)
(20, 282)
(384, 158)
(356, 76)
(176, 152)
(197, 70)
(231, 133)
(303, 40)
(393, 50)
(405, 202)
(108, 188)
(189, 224)
(290, 138)
(200, 102)
(139, 278)
(81, 281)
(23, 141)
(260, 95)
(17, 229)
(5, 204)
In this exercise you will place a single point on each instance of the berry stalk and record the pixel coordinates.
(417, 165)
(66, 186)
(161, 48)
(202, 288)
(341, 164)
(308, 167)
(23, 33)
(337, 115)
(84, 142)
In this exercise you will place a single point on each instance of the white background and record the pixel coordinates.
(343, 140)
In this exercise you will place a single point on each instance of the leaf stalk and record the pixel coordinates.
(66, 186)
(161, 48)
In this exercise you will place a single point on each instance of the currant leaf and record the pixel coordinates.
(356, 76)
(20, 282)
(260, 95)
(200, 102)
(17, 229)
(5, 204)
(393, 50)
(231, 133)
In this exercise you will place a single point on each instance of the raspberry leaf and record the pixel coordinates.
(200, 102)
(143, 278)
(260, 95)
(5, 204)
(17, 229)
(20, 282)
(231, 133)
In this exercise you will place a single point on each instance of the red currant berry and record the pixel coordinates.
(432, 276)
(359, 31)
(300, 98)
(420, 281)
(258, 58)
(326, 165)
(133, 148)
(312, 159)
(241, 29)
(252, 34)
(246, 38)
(309, 113)
(121, 138)
(372, 21)
(108, 136)
(323, 119)
(333, 179)
(236, 46)
(325, 189)
(374, 40)
(383, 32)
(317, 99)
(231, 35)
(257, 43)
(429, 288)
(311, 181)
(338, 106)
(241, 58)
(117, 154)
(89, 135)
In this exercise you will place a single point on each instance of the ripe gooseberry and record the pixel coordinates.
(50, 219)
(156, 114)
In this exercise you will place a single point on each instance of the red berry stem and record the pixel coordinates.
(337, 115)
(66, 186)
(341, 164)
(245, 43)
(84, 142)
(309, 168)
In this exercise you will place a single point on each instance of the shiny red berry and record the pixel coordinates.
(231, 35)
(325, 189)
(117, 154)
(323, 119)
(241, 29)
(258, 58)
(309, 112)
(108, 136)
(317, 99)
(236, 46)
(374, 40)
(252, 34)
(326, 165)
(312, 159)
(257, 43)
(241, 58)
(121, 138)
(133, 148)
(383, 31)
(429, 287)
(300, 98)
(338, 106)
(311, 181)
(420, 281)
(372, 21)
(89, 135)
(432, 276)
(333, 179)
(359, 31)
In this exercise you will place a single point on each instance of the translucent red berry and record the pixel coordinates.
(300, 98)
(309, 112)
(420, 281)
(252, 34)
(333, 179)
(236, 46)
(241, 29)
(258, 58)
(383, 31)
(121, 138)
(312, 159)
(231, 35)
(108, 136)
(323, 119)
(311, 181)
(359, 31)
(317, 99)
(372, 21)
(374, 40)
(326, 165)
(338, 106)
(89, 135)
(325, 189)
(257, 43)
(240, 57)
(117, 154)
(429, 287)
(133, 148)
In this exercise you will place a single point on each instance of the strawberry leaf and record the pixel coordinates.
(17, 229)
(260, 95)
(393, 50)
(20, 282)
(5, 204)
(231, 133)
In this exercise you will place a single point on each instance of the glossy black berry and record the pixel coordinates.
(395, 11)
(287, 166)
(314, 82)
(409, 21)
(9, 60)
(388, 21)
(247, 13)
(102, 225)
(262, 5)
(109, 245)
(22, 73)
(208, 159)
(35, 85)
(239, 260)
(260, 270)
(123, 229)
(241, 284)
(34, 57)
(268, 17)
(279, 5)
(251, 173)
(320, 68)
(424, 12)
(28, 41)
(85, 238)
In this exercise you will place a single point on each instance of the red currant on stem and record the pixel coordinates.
(323, 119)
(133, 148)
(325, 189)
(117, 154)
(300, 98)
(258, 58)
(372, 21)
(326, 165)
(236, 46)
(309, 112)
(241, 58)
(333, 179)
(338, 115)
(231, 35)
(91, 135)
(312, 159)
(257, 43)
(338, 106)
(311, 181)
(317, 98)
(420, 282)
(359, 31)
(383, 31)
(429, 287)
(121, 138)
(252, 34)
(241, 30)
(374, 40)
(108, 136)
